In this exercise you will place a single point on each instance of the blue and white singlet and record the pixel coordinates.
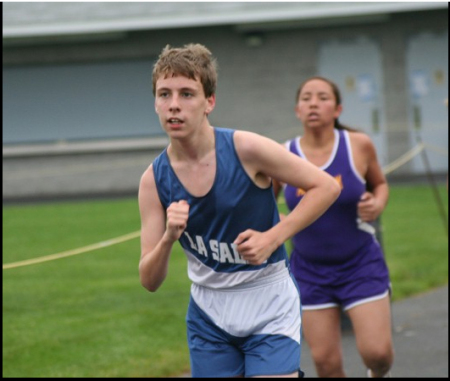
(230, 298)
(233, 205)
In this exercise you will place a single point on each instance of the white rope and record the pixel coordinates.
(69, 253)
(403, 159)
(387, 169)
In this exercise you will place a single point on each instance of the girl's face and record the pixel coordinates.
(316, 106)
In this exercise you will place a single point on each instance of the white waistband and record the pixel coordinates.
(281, 274)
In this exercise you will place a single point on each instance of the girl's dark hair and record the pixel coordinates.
(337, 96)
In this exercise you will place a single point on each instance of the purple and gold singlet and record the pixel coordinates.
(338, 247)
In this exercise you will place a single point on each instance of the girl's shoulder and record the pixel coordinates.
(360, 138)
(362, 146)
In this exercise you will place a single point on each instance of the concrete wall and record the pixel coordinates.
(77, 170)
(256, 89)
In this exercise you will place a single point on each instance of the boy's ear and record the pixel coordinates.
(211, 103)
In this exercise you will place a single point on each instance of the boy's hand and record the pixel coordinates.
(177, 217)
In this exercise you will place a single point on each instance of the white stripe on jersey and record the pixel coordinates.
(242, 312)
(206, 276)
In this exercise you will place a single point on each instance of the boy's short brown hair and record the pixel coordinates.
(191, 61)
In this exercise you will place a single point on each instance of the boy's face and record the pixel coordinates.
(181, 104)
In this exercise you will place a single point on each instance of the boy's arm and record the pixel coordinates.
(263, 156)
(160, 229)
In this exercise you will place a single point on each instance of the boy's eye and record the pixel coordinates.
(187, 95)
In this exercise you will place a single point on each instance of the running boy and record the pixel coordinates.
(211, 189)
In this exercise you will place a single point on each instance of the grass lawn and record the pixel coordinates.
(88, 316)
(415, 240)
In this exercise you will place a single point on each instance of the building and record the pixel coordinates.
(78, 115)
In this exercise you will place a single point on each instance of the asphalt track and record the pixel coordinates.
(420, 332)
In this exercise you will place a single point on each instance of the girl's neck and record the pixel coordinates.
(318, 137)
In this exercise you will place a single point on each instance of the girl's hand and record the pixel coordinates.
(368, 207)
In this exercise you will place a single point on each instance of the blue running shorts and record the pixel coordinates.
(248, 331)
